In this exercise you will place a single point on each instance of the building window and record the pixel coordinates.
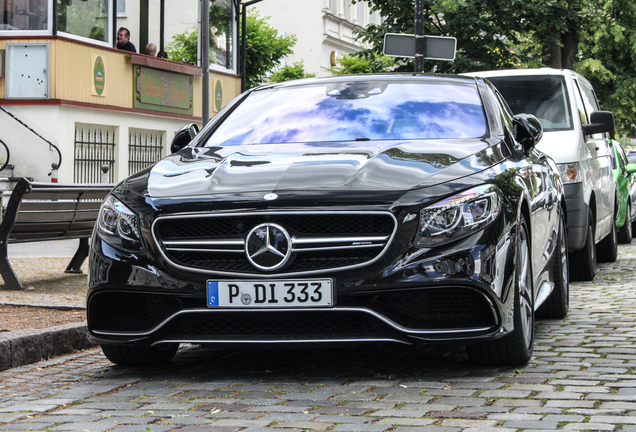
(24, 15)
(87, 19)
(145, 147)
(361, 14)
(345, 9)
(94, 148)
(121, 7)
(222, 31)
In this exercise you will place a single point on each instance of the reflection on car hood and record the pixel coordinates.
(359, 166)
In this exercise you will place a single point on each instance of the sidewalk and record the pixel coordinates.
(40, 268)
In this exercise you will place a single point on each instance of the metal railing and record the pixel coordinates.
(144, 149)
(94, 148)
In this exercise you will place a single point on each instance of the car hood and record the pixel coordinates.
(356, 167)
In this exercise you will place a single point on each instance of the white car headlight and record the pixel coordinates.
(570, 172)
(458, 216)
(118, 226)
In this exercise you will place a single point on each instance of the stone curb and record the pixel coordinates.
(22, 347)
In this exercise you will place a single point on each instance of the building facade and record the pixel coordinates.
(325, 29)
(68, 98)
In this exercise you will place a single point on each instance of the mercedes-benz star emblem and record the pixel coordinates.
(268, 246)
(270, 197)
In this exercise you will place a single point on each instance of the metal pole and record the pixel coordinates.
(162, 25)
(243, 46)
(205, 60)
(419, 36)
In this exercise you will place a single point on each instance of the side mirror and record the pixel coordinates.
(630, 168)
(185, 135)
(527, 131)
(600, 122)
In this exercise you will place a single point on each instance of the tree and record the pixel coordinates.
(373, 63)
(490, 33)
(288, 73)
(608, 58)
(183, 47)
(264, 51)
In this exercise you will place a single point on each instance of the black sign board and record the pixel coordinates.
(435, 47)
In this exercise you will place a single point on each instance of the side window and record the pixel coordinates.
(580, 105)
(622, 158)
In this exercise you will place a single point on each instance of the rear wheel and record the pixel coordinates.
(557, 305)
(583, 262)
(516, 347)
(125, 355)
(625, 234)
(607, 249)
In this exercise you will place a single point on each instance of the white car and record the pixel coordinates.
(576, 137)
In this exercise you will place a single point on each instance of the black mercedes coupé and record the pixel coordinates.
(411, 209)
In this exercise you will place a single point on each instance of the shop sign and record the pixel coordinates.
(160, 90)
(99, 75)
(218, 95)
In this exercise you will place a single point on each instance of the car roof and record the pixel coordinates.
(521, 72)
(388, 77)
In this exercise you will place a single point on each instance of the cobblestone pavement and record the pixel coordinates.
(582, 377)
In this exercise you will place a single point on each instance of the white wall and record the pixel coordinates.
(32, 157)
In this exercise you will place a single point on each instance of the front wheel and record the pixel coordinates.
(556, 306)
(583, 262)
(514, 349)
(125, 355)
(607, 249)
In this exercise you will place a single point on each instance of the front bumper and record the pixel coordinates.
(463, 294)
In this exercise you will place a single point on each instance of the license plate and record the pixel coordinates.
(270, 293)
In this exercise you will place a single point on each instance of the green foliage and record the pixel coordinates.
(183, 47)
(288, 73)
(372, 63)
(608, 55)
(265, 49)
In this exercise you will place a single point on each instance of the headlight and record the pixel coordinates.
(118, 226)
(570, 172)
(458, 216)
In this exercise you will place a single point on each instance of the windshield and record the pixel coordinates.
(347, 111)
(543, 96)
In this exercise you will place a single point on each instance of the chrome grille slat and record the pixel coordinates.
(320, 241)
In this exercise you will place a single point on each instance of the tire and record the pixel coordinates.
(558, 304)
(625, 234)
(514, 349)
(125, 355)
(607, 249)
(583, 261)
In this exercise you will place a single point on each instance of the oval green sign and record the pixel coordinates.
(99, 75)
(218, 95)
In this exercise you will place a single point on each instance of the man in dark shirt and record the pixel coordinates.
(123, 40)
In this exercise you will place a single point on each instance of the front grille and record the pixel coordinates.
(130, 312)
(328, 324)
(319, 241)
(436, 308)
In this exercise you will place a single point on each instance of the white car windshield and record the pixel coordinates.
(356, 110)
(543, 96)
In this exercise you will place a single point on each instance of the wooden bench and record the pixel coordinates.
(49, 211)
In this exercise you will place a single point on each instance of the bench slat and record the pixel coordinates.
(26, 206)
(53, 216)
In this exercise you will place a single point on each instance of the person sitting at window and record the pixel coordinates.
(123, 40)
(151, 49)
